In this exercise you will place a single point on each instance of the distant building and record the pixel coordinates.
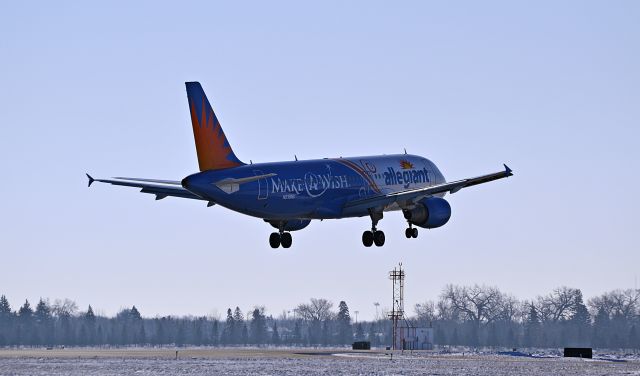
(410, 338)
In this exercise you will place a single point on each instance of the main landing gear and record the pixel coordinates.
(374, 236)
(277, 239)
(411, 232)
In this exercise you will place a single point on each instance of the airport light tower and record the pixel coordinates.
(397, 308)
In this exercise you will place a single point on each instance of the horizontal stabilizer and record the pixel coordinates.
(171, 182)
(160, 188)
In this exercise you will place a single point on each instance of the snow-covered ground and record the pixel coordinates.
(320, 363)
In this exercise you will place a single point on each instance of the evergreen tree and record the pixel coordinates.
(90, 323)
(343, 319)
(135, 315)
(44, 323)
(90, 317)
(532, 328)
(135, 327)
(25, 312)
(580, 321)
(5, 308)
(580, 315)
(229, 329)
(238, 320)
(6, 317)
(25, 330)
(258, 327)
(237, 315)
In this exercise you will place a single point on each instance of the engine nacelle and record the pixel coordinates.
(431, 212)
(291, 224)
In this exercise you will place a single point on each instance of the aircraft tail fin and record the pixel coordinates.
(212, 147)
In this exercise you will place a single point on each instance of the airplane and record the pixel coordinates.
(289, 195)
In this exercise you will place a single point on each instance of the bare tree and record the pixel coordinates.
(316, 310)
(66, 307)
(445, 312)
(558, 305)
(426, 312)
(510, 309)
(621, 303)
(479, 304)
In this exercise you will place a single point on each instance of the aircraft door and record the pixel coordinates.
(263, 186)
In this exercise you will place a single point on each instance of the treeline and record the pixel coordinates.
(474, 316)
(485, 316)
(62, 324)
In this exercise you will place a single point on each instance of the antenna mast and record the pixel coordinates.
(397, 310)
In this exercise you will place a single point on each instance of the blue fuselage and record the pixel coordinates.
(314, 189)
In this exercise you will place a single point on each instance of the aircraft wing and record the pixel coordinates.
(160, 188)
(411, 196)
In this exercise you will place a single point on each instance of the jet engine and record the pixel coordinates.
(291, 224)
(430, 212)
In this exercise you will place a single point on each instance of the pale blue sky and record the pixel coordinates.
(551, 88)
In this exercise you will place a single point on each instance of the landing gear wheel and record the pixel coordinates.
(274, 240)
(378, 238)
(286, 240)
(414, 232)
(408, 232)
(367, 238)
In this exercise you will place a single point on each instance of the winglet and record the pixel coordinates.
(91, 180)
(507, 170)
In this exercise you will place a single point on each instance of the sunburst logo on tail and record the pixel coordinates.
(405, 164)
(213, 149)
